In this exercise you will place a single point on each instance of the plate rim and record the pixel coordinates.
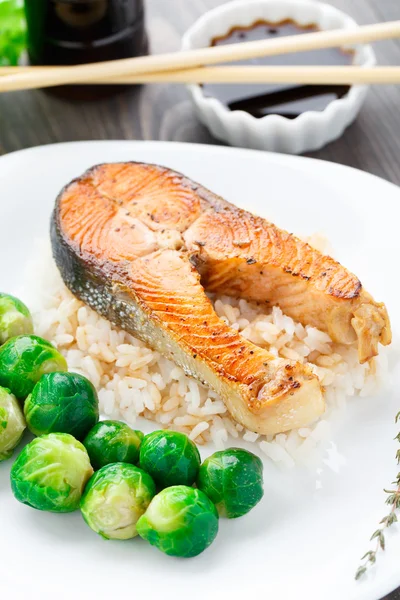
(219, 148)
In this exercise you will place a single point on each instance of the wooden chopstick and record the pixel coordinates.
(312, 75)
(28, 79)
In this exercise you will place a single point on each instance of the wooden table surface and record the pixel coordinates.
(164, 112)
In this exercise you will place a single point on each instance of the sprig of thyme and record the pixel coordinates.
(392, 500)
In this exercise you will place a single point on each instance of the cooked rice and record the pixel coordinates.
(134, 381)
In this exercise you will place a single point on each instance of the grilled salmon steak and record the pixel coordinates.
(140, 244)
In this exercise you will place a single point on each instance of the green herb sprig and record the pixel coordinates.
(12, 32)
(392, 500)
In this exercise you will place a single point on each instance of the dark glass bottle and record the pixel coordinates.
(67, 32)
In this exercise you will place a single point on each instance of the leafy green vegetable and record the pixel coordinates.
(170, 458)
(51, 473)
(12, 31)
(63, 403)
(114, 499)
(233, 480)
(180, 521)
(12, 423)
(111, 442)
(24, 359)
(15, 318)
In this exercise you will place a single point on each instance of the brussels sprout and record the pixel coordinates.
(170, 458)
(64, 403)
(12, 423)
(180, 521)
(233, 480)
(114, 499)
(15, 318)
(24, 359)
(111, 442)
(51, 473)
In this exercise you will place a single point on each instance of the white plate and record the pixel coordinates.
(303, 540)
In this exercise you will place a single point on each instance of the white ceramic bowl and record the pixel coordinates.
(309, 131)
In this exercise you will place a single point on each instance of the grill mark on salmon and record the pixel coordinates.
(308, 286)
(141, 187)
(126, 238)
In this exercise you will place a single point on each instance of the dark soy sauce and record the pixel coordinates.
(288, 100)
(69, 32)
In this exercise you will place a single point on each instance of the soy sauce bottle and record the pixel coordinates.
(69, 32)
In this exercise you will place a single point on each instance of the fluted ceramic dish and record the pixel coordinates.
(309, 131)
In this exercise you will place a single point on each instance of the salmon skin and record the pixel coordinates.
(140, 243)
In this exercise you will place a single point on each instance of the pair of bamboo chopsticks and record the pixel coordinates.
(188, 66)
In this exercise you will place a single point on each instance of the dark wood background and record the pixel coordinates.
(162, 112)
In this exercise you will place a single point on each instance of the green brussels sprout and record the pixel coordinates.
(24, 359)
(63, 403)
(233, 480)
(170, 458)
(12, 423)
(51, 473)
(111, 442)
(180, 521)
(114, 499)
(15, 318)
